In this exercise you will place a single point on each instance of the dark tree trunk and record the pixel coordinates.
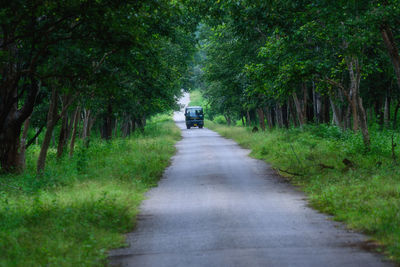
(228, 119)
(261, 118)
(12, 118)
(391, 47)
(62, 139)
(285, 119)
(107, 123)
(386, 112)
(74, 131)
(51, 122)
(299, 110)
(293, 113)
(278, 112)
(23, 145)
(248, 119)
(269, 118)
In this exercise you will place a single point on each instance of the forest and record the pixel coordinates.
(87, 88)
(79, 64)
(287, 64)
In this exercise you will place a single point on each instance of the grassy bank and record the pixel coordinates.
(81, 207)
(365, 193)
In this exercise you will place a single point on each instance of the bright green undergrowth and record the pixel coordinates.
(80, 207)
(365, 196)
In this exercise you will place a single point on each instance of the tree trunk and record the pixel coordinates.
(86, 122)
(355, 78)
(107, 123)
(317, 105)
(285, 119)
(305, 102)
(228, 119)
(248, 120)
(293, 113)
(336, 113)
(269, 118)
(62, 139)
(23, 145)
(51, 122)
(52, 118)
(391, 47)
(298, 109)
(261, 118)
(75, 129)
(278, 112)
(12, 117)
(386, 113)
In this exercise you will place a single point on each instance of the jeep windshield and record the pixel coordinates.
(194, 112)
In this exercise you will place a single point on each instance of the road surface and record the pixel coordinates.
(215, 206)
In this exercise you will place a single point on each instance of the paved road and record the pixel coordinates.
(215, 206)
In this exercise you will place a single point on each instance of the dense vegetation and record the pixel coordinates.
(72, 66)
(80, 207)
(291, 63)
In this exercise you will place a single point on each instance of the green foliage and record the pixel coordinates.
(366, 196)
(79, 209)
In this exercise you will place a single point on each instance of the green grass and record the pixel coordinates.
(80, 207)
(366, 197)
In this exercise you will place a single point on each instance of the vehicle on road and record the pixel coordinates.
(194, 116)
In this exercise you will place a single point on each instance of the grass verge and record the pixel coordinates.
(80, 207)
(364, 194)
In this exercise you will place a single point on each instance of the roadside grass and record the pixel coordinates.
(80, 207)
(366, 196)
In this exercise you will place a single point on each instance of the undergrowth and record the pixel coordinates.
(81, 206)
(364, 192)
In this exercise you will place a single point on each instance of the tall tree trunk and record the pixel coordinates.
(304, 103)
(248, 119)
(278, 113)
(62, 138)
(23, 145)
(386, 112)
(336, 113)
(285, 118)
(299, 110)
(391, 47)
(269, 118)
(228, 119)
(355, 77)
(107, 124)
(51, 122)
(317, 105)
(293, 113)
(86, 121)
(12, 116)
(75, 129)
(52, 118)
(261, 118)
